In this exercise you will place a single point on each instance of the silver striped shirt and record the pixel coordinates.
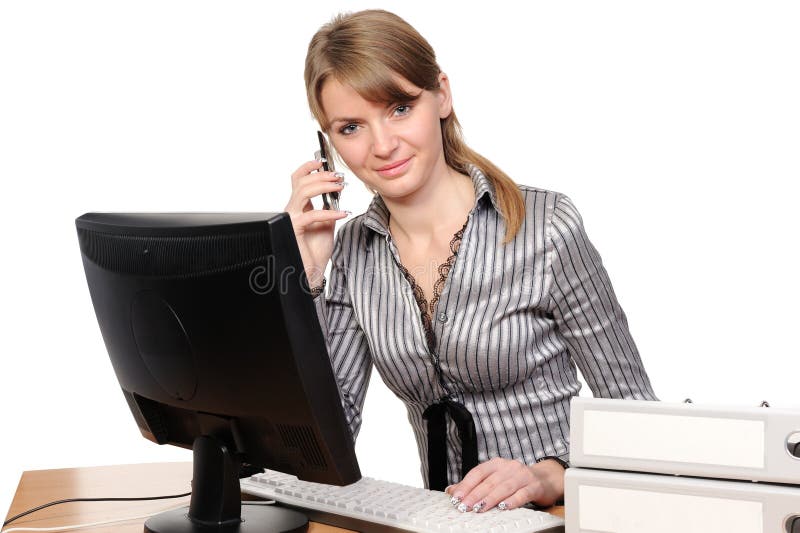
(512, 323)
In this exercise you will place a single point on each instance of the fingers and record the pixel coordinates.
(302, 195)
(307, 184)
(477, 475)
(306, 172)
(512, 492)
(494, 482)
(317, 215)
(518, 499)
(306, 168)
(468, 492)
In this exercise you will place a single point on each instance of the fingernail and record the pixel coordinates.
(462, 507)
(348, 212)
(478, 506)
(338, 174)
(502, 506)
(455, 500)
(322, 160)
(343, 183)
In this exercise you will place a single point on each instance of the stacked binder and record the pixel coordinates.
(654, 467)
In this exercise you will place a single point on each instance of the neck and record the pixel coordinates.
(442, 204)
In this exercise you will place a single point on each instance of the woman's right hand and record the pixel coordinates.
(313, 228)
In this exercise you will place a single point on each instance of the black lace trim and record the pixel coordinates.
(426, 310)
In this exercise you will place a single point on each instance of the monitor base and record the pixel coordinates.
(216, 503)
(255, 519)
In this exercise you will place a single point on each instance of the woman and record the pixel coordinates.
(473, 296)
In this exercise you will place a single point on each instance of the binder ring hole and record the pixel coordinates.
(793, 447)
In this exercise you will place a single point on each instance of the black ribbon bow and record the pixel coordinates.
(437, 441)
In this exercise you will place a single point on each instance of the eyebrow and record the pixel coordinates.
(343, 119)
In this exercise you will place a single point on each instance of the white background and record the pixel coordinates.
(673, 126)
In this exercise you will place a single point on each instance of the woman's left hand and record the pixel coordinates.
(509, 481)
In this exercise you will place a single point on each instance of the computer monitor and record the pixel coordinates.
(214, 338)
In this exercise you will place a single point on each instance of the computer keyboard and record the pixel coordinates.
(372, 505)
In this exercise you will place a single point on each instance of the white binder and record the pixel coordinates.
(743, 443)
(598, 501)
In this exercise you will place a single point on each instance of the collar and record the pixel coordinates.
(376, 217)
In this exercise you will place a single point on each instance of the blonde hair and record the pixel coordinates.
(366, 50)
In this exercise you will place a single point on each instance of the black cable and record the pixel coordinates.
(29, 511)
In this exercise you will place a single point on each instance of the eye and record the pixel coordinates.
(403, 109)
(346, 130)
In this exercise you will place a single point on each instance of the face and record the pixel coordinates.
(394, 149)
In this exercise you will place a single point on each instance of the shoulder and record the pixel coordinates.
(529, 191)
(553, 196)
(547, 204)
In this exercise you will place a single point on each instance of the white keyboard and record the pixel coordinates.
(372, 505)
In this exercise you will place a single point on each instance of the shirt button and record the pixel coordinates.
(442, 317)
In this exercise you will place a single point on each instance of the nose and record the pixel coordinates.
(384, 141)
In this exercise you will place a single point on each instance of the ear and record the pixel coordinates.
(444, 96)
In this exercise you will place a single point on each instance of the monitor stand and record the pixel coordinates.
(216, 504)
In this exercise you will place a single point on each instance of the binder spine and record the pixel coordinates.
(624, 502)
(749, 444)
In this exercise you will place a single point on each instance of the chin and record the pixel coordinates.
(400, 187)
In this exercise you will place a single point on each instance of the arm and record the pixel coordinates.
(347, 345)
(589, 318)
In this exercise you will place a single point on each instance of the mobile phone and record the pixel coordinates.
(330, 200)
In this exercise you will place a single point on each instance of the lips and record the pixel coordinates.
(396, 169)
(393, 165)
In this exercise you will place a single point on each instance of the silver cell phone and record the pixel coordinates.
(330, 200)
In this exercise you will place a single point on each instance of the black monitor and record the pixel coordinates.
(214, 338)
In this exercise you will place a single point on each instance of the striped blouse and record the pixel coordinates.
(510, 326)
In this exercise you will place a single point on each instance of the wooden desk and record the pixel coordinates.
(41, 486)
